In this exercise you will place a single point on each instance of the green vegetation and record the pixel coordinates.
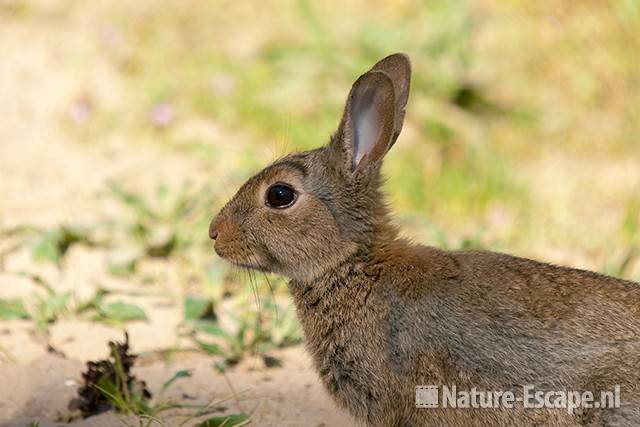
(110, 384)
(46, 305)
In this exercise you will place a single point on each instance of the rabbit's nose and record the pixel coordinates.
(213, 231)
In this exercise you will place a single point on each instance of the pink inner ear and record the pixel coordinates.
(369, 118)
(367, 131)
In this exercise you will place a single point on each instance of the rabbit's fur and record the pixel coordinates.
(382, 315)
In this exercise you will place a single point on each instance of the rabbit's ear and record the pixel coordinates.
(398, 68)
(367, 127)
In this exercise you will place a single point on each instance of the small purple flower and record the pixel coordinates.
(162, 114)
(80, 111)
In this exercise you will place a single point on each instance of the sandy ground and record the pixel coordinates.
(46, 179)
(289, 396)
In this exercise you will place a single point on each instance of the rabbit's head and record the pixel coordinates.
(307, 212)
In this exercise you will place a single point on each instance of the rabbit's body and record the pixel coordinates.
(382, 316)
(473, 319)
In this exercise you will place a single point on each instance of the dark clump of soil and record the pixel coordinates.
(113, 372)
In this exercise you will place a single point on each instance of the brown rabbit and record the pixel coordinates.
(382, 315)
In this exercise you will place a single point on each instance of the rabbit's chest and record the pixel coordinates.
(349, 362)
(348, 345)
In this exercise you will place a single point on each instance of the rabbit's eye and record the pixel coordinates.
(280, 196)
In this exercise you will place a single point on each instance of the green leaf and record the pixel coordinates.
(221, 365)
(46, 249)
(12, 309)
(94, 303)
(133, 201)
(177, 375)
(122, 312)
(161, 243)
(232, 420)
(39, 281)
(124, 264)
(49, 308)
(54, 244)
(197, 308)
(631, 224)
(110, 391)
(210, 348)
(212, 328)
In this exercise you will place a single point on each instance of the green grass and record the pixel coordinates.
(46, 305)
(130, 399)
(293, 88)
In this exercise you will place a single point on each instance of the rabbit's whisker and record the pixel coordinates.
(252, 278)
(273, 295)
(253, 257)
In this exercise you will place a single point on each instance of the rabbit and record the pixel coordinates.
(382, 315)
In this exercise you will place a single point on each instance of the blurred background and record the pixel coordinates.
(125, 126)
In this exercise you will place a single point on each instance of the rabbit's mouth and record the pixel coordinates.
(250, 266)
(243, 263)
(240, 256)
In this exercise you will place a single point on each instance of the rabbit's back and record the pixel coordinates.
(499, 312)
(495, 321)
(415, 315)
